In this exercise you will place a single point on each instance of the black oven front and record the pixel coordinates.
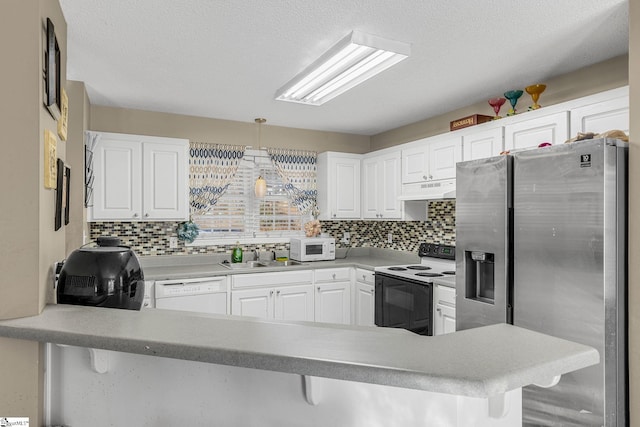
(403, 303)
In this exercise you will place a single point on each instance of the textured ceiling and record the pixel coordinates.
(226, 59)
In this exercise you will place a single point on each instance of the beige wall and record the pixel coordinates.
(587, 81)
(27, 218)
(108, 119)
(30, 244)
(78, 123)
(634, 212)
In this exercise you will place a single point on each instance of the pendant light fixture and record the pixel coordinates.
(260, 188)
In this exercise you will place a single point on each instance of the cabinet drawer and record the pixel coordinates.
(275, 278)
(446, 294)
(333, 275)
(365, 276)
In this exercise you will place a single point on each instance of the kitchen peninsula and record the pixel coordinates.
(170, 368)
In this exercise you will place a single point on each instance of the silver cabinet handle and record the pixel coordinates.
(334, 276)
(364, 277)
(278, 292)
(438, 310)
(271, 293)
(424, 177)
(135, 215)
(146, 215)
(318, 288)
(372, 291)
(334, 215)
(430, 176)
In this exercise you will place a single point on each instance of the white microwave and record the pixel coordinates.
(312, 248)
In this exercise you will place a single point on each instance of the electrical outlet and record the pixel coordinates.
(390, 238)
(173, 242)
(346, 237)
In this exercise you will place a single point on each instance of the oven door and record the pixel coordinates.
(403, 303)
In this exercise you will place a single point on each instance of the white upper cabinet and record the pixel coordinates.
(431, 159)
(483, 144)
(528, 133)
(339, 185)
(165, 180)
(415, 163)
(444, 153)
(140, 178)
(117, 184)
(601, 116)
(381, 186)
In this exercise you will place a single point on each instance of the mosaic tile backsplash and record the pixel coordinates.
(152, 238)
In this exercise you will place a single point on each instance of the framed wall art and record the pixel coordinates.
(64, 115)
(51, 72)
(66, 185)
(50, 164)
(59, 194)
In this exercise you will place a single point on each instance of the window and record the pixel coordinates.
(240, 216)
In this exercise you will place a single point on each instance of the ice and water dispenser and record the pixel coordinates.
(479, 277)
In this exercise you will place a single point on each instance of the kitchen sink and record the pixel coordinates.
(287, 263)
(259, 264)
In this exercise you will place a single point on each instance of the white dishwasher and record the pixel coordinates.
(203, 295)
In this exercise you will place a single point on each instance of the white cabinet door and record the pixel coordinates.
(389, 205)
(444, 319)
(381, 186)
(601, 117)
(165, 180)
(553, 128)
(294, 303)
(483, 144)
(444, 153)
(339, 185)
(347, 188)
(117, 183)
(364, 304)
(253, 302)
(444, 309)
(415, 163)
(371, 190)
(332, 303)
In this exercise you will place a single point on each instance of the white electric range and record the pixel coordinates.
(404, 293)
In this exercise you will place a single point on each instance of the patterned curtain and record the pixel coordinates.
(298, 170)
(211, 170)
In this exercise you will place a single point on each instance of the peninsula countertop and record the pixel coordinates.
(480, 362)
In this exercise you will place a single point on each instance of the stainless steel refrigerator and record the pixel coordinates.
(541, 242)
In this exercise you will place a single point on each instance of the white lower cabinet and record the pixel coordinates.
(333, 295)
(293, 302)
(321, 295)
(254, 295)
(444, 309)
(364, 298)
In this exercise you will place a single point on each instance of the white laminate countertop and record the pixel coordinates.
(194, 266)
(478, 362)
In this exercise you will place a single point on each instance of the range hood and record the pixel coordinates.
(432, 190)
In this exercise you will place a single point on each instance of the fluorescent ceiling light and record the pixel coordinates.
(354, 59)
